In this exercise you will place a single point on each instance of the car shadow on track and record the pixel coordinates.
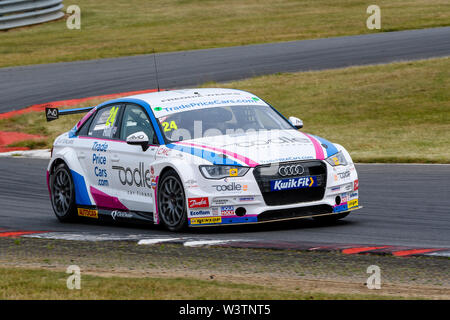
(276, 226)
(267, 227)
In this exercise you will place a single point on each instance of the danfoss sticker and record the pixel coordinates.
(198, 202)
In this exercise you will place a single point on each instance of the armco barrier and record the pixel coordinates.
(19, 13)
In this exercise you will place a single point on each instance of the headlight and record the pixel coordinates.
(219, 172)
(337, 159)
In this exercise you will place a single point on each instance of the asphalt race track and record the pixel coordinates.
(404, 205)
(28, 85)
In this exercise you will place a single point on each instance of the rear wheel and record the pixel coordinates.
(331, 218)
(172, 201)
(63, 193)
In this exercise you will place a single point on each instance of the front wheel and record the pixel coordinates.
(172, 201)
(63, 193)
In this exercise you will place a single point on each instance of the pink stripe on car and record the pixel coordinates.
(319, 151)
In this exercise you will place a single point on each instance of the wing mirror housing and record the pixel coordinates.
(139, 138)
(296, 122)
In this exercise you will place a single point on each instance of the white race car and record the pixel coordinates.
(196, 157)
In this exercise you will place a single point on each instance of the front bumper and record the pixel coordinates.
(272, 216)
(249, 199)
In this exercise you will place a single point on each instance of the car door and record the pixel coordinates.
(132, 173)
(96, 144)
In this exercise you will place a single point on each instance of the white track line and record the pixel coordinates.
(155, 241)
(37, 154)
(198, 243)
(439, 254)
(85, 236)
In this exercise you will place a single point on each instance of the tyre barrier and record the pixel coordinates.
(20, 13)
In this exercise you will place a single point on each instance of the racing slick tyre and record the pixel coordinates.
(172, 201)
(63, 193)
(331, 218)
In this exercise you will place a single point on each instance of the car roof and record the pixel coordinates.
(172, 101)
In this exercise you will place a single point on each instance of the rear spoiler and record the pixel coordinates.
(54, 113)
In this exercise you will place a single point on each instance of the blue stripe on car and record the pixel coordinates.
(330, 148)
(214, 158)
(226, 220)
(81, 193)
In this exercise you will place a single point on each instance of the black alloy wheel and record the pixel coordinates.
(63, 193)
(172, 201)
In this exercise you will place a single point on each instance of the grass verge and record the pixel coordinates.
(384, 113)
(396, 112)
(23, 283)
(35, 269)
(113, 28)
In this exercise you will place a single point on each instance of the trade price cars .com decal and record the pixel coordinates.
(99, 160)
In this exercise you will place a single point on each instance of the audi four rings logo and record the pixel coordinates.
(290, 170)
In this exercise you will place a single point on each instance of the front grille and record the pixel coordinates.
(294, 212)
(266, 173)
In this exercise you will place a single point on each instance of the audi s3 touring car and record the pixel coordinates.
(196, 157)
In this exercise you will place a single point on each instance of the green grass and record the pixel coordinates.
(23, 284)
(385, 113)
(31, 144)
(113, 28)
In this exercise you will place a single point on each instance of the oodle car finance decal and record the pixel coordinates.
(139, 177)
(230, 187)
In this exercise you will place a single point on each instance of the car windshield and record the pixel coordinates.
(217, 121)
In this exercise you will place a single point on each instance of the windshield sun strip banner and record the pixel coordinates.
(163, 110)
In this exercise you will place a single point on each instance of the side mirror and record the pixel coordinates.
(296, 122)
(138, 138)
